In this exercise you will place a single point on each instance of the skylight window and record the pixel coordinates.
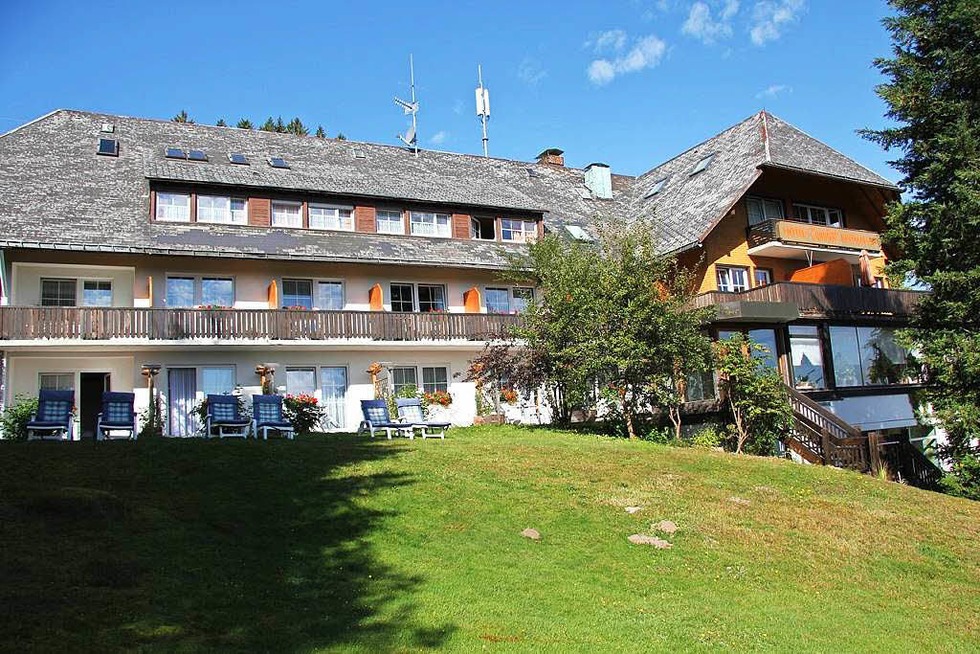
(532, 173)
(238, 158)
(109, 147)
(656, 188)
(578, 233)
(585, 193)
(278, 162)
(197, 155)
(704, 163)
(176, 153)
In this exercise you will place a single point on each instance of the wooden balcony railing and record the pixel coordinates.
(91, 323)
(825, 301)
(820, 236)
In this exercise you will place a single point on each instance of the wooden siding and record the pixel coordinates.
(825, 301)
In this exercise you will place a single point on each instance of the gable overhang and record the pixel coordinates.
(840, 178)
(757, 173)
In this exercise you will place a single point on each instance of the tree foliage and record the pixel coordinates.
(182, 117)
(933, 95)
(221, 123)
(320, 132)
(244, 123)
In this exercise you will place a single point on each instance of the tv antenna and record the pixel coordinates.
(483, 107)
(411, 138)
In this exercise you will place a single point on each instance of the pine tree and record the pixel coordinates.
(341, 137)
(221, 123)
(933, 94)
(297, 127)
(320, 133)
(244, 123)
(182, 117)
(269, 125)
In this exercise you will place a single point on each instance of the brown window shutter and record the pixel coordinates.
(461, 225)
(259, 212)
(471, 300)
(376, 298)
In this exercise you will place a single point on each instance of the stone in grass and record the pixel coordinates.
(667, 527)
(643, 539)
(739, 500)
(531, 533)
(633, 509)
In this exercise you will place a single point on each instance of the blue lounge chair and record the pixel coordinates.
(117, 416)
(225, 416)
(376, 418)
(410, 410)
(267, 414)
(53, 418)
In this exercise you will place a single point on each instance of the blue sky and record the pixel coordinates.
(630, 83)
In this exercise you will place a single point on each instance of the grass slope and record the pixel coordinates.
(339, 543)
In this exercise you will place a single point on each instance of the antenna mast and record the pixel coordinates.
(410, 139)
(483, 107)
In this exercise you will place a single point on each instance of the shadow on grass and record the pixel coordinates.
(200, 545)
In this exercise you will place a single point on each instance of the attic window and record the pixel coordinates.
(197, 155)
(656, 188)
(278, 162)
(176, 153)
(238, 158)
(357, 153)
(584, 193)
(704, 163)
(578, 233)
(109, 147)
(532, 173)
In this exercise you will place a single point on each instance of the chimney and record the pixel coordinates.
(552, 157)
(598, 179)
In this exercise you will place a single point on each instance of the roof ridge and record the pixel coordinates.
(32, 121)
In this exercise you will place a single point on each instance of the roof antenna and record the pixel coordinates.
(410, 139)
(483, 107)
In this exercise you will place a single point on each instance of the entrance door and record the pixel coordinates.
(181, 397)
(92, 386)
(333, 385)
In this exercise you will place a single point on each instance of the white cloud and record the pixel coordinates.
(646, 53)
(771, 17)
(530, 71)
(439, 137)
(701, 25)
(458, 107)
(772, 91)
(608, 40)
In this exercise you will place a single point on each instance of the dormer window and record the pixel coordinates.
(656, 188)
(703, 163)
(518, 231)
(173, 207)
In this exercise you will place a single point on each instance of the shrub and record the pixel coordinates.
(964, 478)
(708, 436)
(14, 419)
(303, 412)
(151, 421)
(439, 398)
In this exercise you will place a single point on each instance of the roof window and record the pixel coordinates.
(704, 163)
(656, 188)
(278, 162)
(108, 147)
(176, 153)
(197, 155)
(578, 233)
(238, 158)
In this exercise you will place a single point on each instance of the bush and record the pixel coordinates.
(14, 419)
(303, 412)
(964, 479)
(151, 421)
(708, 436)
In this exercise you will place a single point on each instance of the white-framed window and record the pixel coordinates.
(763, 277)
(732, 279)
(497, 300)
(330, 296)
(435, 378)
(407, 297)
(402, 297)
(432, 297)
(297, 293)
(483, 228)
(326, 216)
(173, 207)
(327, 295)
(96, 293)
(403, 377)
(520, 298)
(389, 221)
(65, 292)
(56, 381)
(333, 386)
(287, 214)
(58, 292)
(217, 380)
(806, 213)
(431, 224)
(762, 210)
(190, 291)
(301, 381)
(518, 231)
(221, 209)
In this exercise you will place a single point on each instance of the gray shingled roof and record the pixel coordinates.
(55, 192)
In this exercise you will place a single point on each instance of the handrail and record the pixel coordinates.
(821, 416)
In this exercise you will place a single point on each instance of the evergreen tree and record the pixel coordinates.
(269, 125)
(182, 117)
(341, 137)
(221, 123)
(320, 134)
(296, 126)
(933, 94)
(245, 123)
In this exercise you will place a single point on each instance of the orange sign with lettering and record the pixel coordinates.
(853, 239)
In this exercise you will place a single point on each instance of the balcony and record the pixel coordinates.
(139, 324)
(790, 239)
(816, 301)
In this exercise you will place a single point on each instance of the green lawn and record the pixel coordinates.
(343, 543)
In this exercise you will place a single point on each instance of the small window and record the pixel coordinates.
(197, 155)
(56, 381)
(96, 293)
(732, 280)
(497, 300)
(521, 297)
(109, 147)
(301, 381)
(703, 163)
(58, 292)
(278, 162)
(403, 377)
(578, 233)
(435, 379)
(330, 296)
(763, 210)
(287, 214)
(656, 188)
(327, 217)
(297, 293)
(819, 215)
(483, 228)
(173, 207)
(763, 277)
(176, 153)
(432, 297)
(402, 298)
(238, 158)
(389, 222)
(431, 224)
(518, 231)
